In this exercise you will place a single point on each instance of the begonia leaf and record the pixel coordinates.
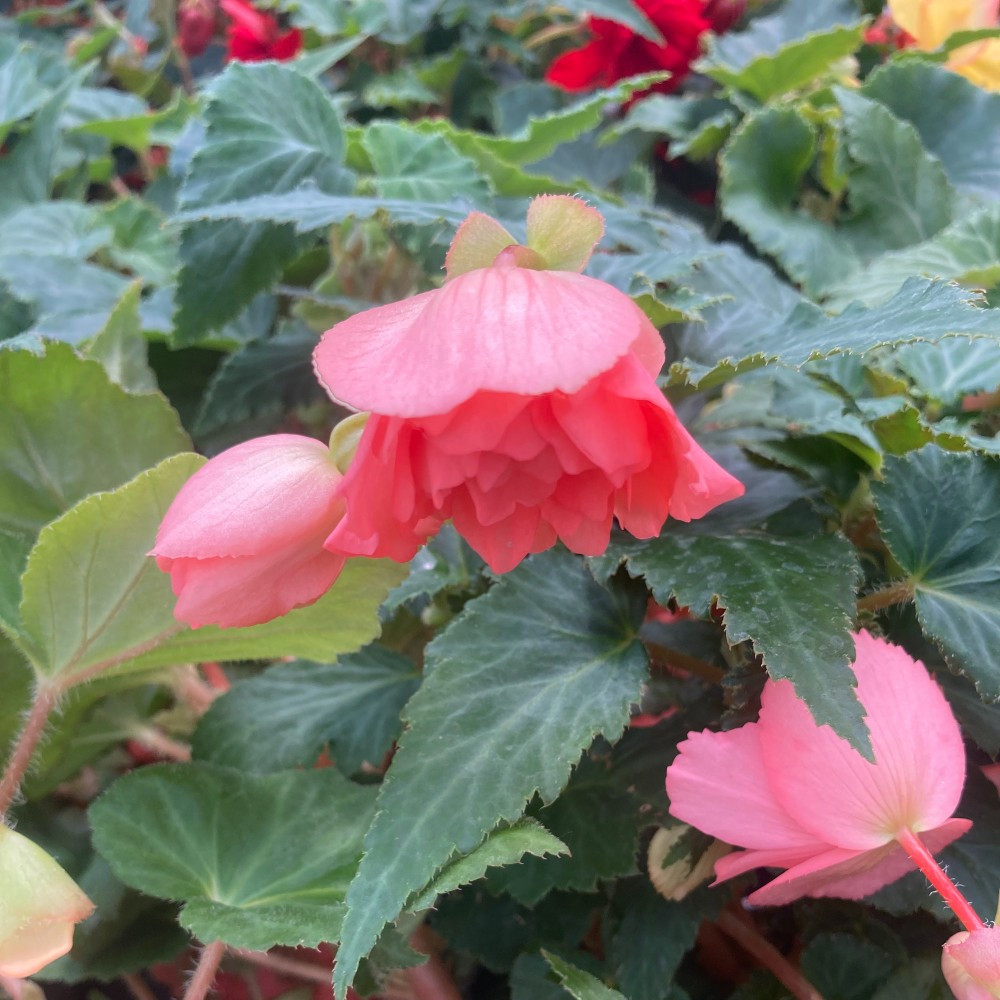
(256, 860)
(506, 845)
(787, 49)
(54, 409)
(252, 145)
(957, 121)
(94, 601)
(284, 717)
(505, 709)
(792, 596)
(939, 513)
(579, 984)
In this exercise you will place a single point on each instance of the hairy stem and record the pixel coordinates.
(895, 593)
(204, 972)
(706, 671)
(924, 860)
(24, 746)
(755, 945)
(294, 968)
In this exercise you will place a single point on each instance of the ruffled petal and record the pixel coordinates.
(500, 329)
(848, 874)
(262, 494)
(916, 780)
(719, 783)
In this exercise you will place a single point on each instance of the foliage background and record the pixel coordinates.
(814, 223)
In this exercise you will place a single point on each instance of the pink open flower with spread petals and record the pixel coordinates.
(243, 540)
(971, 964)
(39, 906)
(519, 400)
(797, 796)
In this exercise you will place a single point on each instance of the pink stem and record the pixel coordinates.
(204, 972)
(924, 860)
(24, 748)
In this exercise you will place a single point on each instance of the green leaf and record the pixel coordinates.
(899, 193)
(73, 298)
(506, 845)
(258, 860)
(266, 377)
(416, 167)
(141, 243)
(254, 143)
(919, 979)
(21, 92)
(753, 334)
(121, 348)
(787, 49)
(939, 513)
(310, 209)
(967, 251)
(652, 935)
(845, 966)
(578, 983)
(66, 430)
(91, 594)
(515, 689)
(594, 817)
(341, 621)
(127, 932)
(958, 122)
(697, 126)
(762, 168)
(54, 229)
(446, 564)
(951, 369)
(792, 596)
(287, 715)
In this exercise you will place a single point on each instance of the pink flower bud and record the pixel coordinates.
(41, 904)
(971, 964)
(519, 400)
(243, 540)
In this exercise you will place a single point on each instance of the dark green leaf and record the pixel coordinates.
(792, 596)
(939, 513)
(951, 369)
(268, 129)
(287, 715)
(579, 984)
(516, 688)
(257, 860)
(845, 967)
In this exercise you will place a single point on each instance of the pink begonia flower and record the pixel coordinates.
(519, 400)
(971, 964)
(243, 540)
(797, 796)
(39, 907)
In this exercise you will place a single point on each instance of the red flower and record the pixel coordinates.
(195, 25)
(617, 52)
(255, 37)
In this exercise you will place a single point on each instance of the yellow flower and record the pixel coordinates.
(41, 905)
(931, 22)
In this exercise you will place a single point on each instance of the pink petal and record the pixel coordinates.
(838, 795)
(971, 964)
(260, 494)
(238, 591)
(719, 784)
(849, 874)
(501, 329)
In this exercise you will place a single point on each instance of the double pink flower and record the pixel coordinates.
(519, 400)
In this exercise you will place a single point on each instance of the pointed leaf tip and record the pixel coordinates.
(564, 230)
